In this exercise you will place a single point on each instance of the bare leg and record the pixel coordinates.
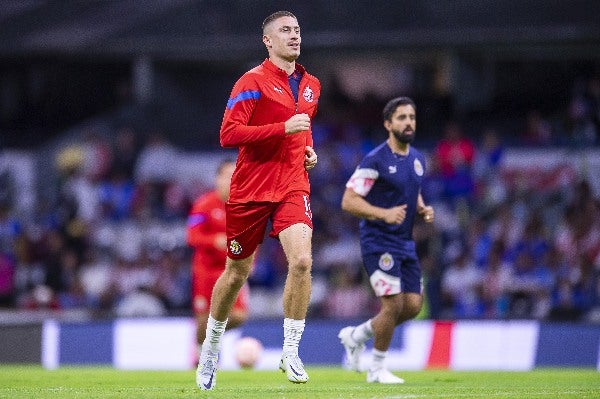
(395, 309)
(201, 320)
(228, 286)
(296, 243)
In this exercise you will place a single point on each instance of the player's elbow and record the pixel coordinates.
(348, 205)
(226, 140)
(345, 204)
(227, 136)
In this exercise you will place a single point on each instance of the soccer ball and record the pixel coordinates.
(248, 351)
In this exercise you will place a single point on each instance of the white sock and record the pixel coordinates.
(292, 332)
(378, 359)
(363, 332)
(214, 332)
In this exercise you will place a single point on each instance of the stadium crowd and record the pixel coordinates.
(506, 243)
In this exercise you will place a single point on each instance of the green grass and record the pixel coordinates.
(89, 383)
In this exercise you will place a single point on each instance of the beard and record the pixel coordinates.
(405, 136)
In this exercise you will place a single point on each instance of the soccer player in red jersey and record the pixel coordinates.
(206, 235)
(268, 118)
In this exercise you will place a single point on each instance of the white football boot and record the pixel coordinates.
(353, 349)
(383, 376)
(292, 365)
(206, 373)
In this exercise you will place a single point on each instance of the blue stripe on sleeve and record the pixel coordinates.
(196, 219)
(245, 95)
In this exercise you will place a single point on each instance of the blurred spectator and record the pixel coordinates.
(54, 273)
(533, 241)
(567, 298)
(505, 225)
(433, 187)
(348, 296)
(580, 127)
(132, 285)
(97, 155)
(140, 303)
(496, 281)
(77, 191)
(461, 286)
(479, 240)
(125, 153)
(95, 278)
(456, 154)
(117, 196)
(489, 157)
(173, 280)
(530, 287)
(156, 160)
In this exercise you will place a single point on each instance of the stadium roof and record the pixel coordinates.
(217, 30)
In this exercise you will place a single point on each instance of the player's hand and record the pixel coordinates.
(427, 213)
(310, 158)
(297, 123)
(395, 215)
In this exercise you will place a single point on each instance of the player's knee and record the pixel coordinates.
(301, 264)
(236, 277)
(411, 309)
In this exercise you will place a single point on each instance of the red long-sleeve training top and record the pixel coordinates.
(270, 163)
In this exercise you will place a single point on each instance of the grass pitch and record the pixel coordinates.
(89, 383)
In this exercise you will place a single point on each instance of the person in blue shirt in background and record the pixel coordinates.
(385, 193)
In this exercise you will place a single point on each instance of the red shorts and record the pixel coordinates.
(247, 222)
(203, 282)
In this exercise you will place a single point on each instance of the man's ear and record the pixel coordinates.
(266, 40)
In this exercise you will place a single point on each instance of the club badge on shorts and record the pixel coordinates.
(235, 247)
(386, 261)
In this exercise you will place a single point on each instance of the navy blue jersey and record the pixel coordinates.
(386, 179)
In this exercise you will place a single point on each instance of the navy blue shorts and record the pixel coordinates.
(393, 272)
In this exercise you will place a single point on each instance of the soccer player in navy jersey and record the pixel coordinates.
(385, 193)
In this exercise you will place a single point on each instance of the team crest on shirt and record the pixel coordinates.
(386, 261)
(235, 247)
(308, 94)
(418, 167)
(392, 169)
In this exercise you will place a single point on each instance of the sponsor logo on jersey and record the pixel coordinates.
(386, 261)
(308, 94)
(418, 167)
(235, 247)
(278, 89)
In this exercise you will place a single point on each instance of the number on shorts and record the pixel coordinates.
(307, 211)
